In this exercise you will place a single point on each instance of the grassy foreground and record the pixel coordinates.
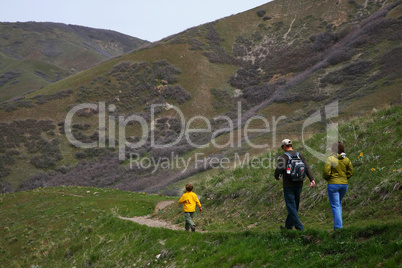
(69, 227)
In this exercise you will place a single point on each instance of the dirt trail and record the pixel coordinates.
(161, 205)
(148, 221)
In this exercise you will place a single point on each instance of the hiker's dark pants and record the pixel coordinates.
(292, 199)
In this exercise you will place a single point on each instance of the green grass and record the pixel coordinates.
(52, 223)
(68, 227)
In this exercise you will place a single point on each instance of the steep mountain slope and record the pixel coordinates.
(35, 54)
(278, 65)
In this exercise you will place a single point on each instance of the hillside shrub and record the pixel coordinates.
(215, 52)
(101, 79)
(4, 172)
(196, 44)
(222, 98)
(323, 41)
(28, 133)
(25, 104)
(241, 46)
(245, 78)
(179, 150)
(336, 77)
(120, 67)
(91, 153)
(164, 71)
(278, 25)
(340, 56)
(50, 154)
(355, 4)
(257, 94)
(103, 172)
(41, 99)
(23, 132)
(11, 107)
(257, 37)
(239, 50)
(350, 72)
(261, 13)
(34, 146)
(9, 76)
(358, 68)
(391, 63)
(218, 55)
(167, 126)
(292, 97)
(80, 126)
(176, 92)
(343, 32)
(8, 158)
(63, 169)
(213, 36)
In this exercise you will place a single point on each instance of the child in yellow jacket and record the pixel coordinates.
(189, 201)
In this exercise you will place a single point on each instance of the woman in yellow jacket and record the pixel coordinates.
(337, 171)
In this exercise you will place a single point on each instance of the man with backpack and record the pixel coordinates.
(293, 168)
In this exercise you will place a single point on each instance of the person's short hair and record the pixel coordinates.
(189, 187)
(338, 148)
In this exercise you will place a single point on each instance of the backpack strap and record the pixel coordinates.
(289, 156)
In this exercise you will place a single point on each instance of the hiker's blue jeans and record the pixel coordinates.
(292, 199)
(335, 194)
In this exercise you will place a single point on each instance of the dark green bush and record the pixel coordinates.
(391, 65)
(257, 94)
(218, 56)
(164, 71)
(245, 78)
(261, 13)
(350, 72)
(196, 44)
(323, 41)
(213, 36)
(176, 92)
(340, 56)
(358, 68)
(222, 98)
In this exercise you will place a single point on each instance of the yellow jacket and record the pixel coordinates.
(337, 170)
(189, 200)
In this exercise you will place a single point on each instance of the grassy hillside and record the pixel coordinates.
(36, 54)
(285, 59)
(249, 197)
(243, 208)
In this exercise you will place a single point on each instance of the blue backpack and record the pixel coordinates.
(296, 167)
